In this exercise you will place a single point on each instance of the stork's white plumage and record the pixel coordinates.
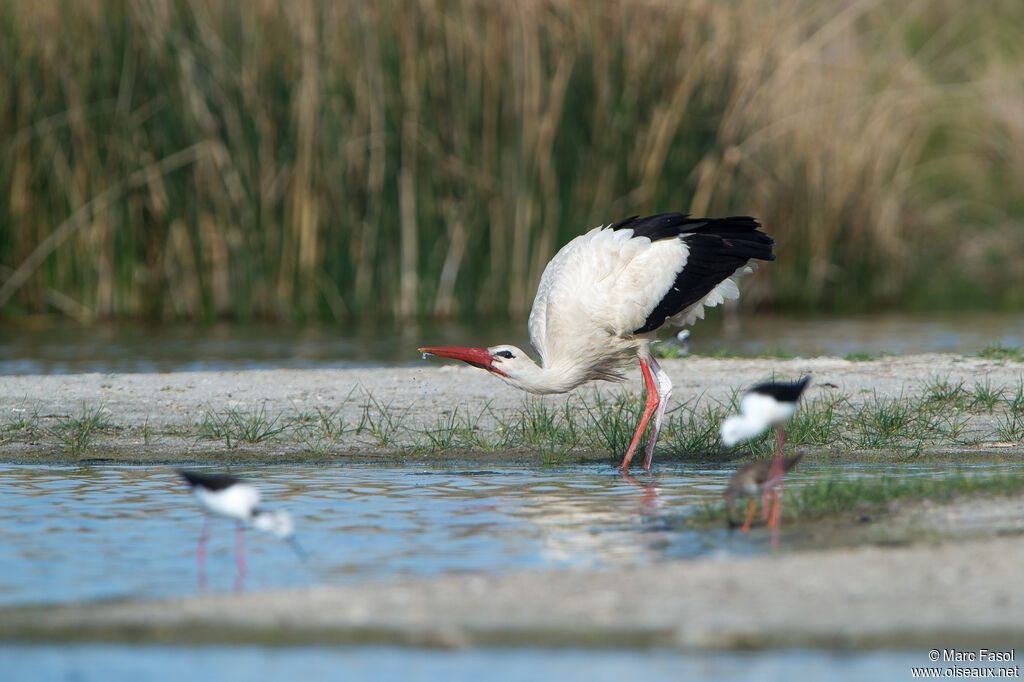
(604, 295)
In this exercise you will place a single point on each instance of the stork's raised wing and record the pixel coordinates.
(718, 249)
(630, 277)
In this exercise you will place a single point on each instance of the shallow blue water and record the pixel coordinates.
(108, 531)
(113, 663)
(81, 533)
(96, 532)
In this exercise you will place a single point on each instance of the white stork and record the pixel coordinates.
(604, 295)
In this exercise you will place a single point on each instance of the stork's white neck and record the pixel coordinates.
(545, 380)
(564, 373)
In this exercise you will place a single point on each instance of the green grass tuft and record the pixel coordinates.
(77, 433)
(986, 396)
(447, 435)
(320, 428)
(830, 496)
(999, 352)
(25, 425)
(885, 423)
(253, 426)
(1011, 427)
(383, 422)
(692, 428)
(817, 422)
(611, 421)
(945, 393)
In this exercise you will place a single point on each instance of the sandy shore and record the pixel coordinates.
(157, 417)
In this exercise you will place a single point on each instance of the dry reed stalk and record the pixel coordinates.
(411, 75)
(400, 159)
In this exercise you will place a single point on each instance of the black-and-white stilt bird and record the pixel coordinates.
(772, 403)
(605, 293)
(231, 497)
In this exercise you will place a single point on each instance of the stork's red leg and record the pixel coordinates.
(650, 406)
(664, 392)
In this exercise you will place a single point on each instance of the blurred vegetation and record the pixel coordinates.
(202, 159)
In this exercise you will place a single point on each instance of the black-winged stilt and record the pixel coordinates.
(772, 403)
(604, 295)
(231, 497)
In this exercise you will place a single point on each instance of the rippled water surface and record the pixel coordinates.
(72, 533)
(75, 533)
(93, 532)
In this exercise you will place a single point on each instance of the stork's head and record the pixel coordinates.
(508, 362)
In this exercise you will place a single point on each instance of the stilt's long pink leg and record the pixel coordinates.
(776, 520)
(776, 473)
(652, 403)
(201, 551)
(775, 477)
(240, 557)
(750, 515)
(780, 446)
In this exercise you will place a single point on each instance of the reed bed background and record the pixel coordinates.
(323, 160)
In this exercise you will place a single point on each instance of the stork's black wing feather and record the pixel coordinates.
(718, 248)
(208, 481)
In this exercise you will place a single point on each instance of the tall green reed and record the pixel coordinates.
(201, 159)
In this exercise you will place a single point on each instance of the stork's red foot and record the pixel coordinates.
(649, 407)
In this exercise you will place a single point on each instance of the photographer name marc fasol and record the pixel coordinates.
(979, 655)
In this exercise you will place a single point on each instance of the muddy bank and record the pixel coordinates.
(382, 414)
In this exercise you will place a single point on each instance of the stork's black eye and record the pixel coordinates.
(504, 354)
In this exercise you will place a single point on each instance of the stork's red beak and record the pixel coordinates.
(478, 357)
